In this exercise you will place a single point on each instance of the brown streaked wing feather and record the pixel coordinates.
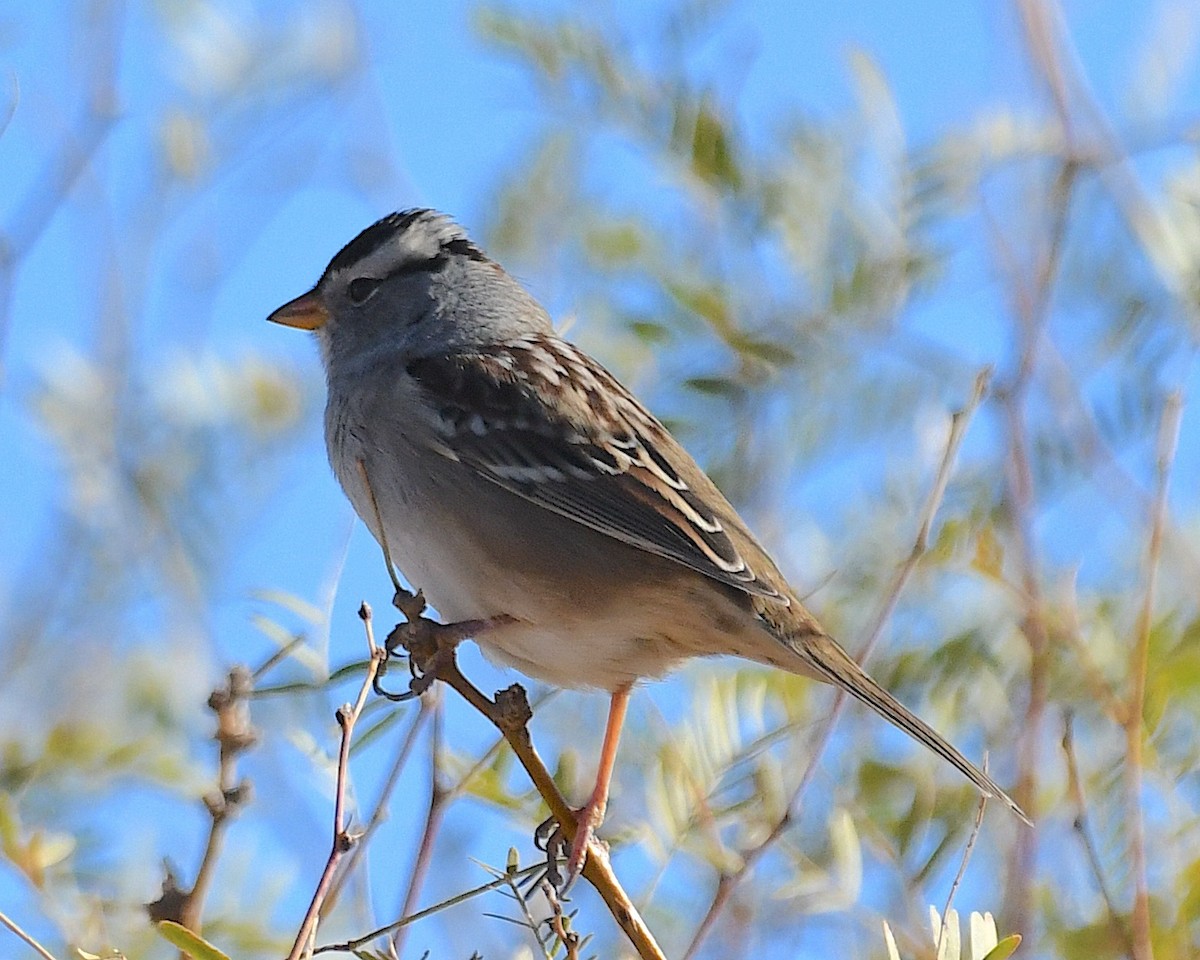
(564, 434)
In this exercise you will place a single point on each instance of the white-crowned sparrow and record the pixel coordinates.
(510, 475)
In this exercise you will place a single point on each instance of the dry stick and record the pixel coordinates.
(234, 736)
(347, 716)
(1126, 191)
(962, 867)
(728, 882)
(379, 814)
(438, 798)
(1032, 311)
(348, 946)
(33, 944)
(1101, 690)
(1168, 439)
(1075, 791)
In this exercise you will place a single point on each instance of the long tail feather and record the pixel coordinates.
(822, 653)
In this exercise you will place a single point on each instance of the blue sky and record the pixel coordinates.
(438, 118)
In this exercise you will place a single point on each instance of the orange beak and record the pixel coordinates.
(304, 313)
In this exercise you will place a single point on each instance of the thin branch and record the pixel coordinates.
(729, 882)
(234, 736)
(438, 800)
(347, 716)
(29, 940)
(1031, 308)
(349, 946)
(379, 813)
(1101, 691)
(1082, 828)
(962, 867)
(1168, 439)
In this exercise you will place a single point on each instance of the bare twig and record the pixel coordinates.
(349, 946)
(234, 735)
(1102, 692)
(29, 940)
(1168, 439)
(962, 867)
(1031, 304)
(729, 882)
(347, 715)
(1082, 828)
(379, 813)
(438, 798)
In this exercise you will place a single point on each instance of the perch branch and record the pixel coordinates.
(510, 714)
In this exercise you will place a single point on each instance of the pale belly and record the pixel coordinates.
(588, 611)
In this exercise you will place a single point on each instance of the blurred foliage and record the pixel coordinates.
(806, 306)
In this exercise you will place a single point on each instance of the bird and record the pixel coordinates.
(518, 483)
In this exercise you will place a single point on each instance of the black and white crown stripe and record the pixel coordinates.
(377, 250)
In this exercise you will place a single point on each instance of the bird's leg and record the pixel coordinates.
(591, 815)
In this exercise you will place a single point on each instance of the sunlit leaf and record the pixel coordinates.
(192, 944)
(1005, 948)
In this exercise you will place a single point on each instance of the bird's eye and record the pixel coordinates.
(361, 288)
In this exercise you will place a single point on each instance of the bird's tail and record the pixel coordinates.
(830, 662)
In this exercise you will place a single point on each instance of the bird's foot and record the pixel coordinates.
(429, 644)
(552, 838)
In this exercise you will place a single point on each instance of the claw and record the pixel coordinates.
(587, 821)
(544, 833)
(551, 839)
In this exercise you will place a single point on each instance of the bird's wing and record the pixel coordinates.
(545, 421)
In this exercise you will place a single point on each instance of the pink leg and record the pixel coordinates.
(592, 814)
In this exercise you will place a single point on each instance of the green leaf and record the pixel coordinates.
(706, 301)
(1005, 948)
(614, 243)
(715, 386)
(183, 938)
(650, 331)
(713, 159)
(762, 350)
